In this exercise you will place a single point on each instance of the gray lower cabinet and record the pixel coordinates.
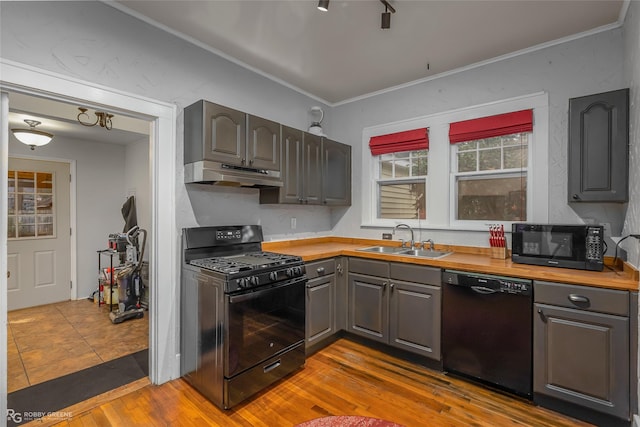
(397, 304)
(321, 301)
(582, 346)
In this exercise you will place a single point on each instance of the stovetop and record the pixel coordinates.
(251, 261)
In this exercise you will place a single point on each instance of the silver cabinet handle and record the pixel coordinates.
(578, 299)
(391, 286)
(320, 270)
(542, 316)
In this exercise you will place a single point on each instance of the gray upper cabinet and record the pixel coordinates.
(263, 147)
(581, 346)
(216, 133)
(336, 173)
(314, 171)
(599, 147)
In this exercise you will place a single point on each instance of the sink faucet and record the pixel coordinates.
(408, 228)
(427, 242)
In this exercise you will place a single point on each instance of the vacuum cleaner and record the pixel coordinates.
(129, 279)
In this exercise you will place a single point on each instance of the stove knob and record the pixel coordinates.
(254, 280)
(289, 272)
(298, 271)
(242, 283)
(273, 276)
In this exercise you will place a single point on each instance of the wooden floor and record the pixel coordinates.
(345, 378)
(54, 340)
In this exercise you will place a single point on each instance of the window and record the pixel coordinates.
(402, 185)
(491, 178)
(30, 205)
(464, 182)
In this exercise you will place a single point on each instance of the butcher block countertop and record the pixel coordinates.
(463, 258)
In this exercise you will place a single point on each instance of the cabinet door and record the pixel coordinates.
(291, 191)
(582, 357)
(598, 147)
(263, 151)
(224, 134)
(368, 307)
(312, 166)
(336, 173)
(320, 308)
(414, 318)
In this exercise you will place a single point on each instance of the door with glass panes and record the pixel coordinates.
(38, 240)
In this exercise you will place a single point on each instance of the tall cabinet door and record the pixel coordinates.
(224, 134)
(312, 166)
(599, 147)
(263, 151)
(336, 176)
(583, 358)
(291, 191)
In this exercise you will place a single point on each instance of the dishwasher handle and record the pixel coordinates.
(483, 290)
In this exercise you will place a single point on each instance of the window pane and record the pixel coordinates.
(490, 142)
(465, 146)
(495, 198)
(25, 204)
(44, 204)
(467, 161)
(515, 157)
(26, 226)
(26, 182)
(45, 182)
(403, 201)
(386, 169)
(11, 204)
(419, 163)
(489, 159)
(11, 182)
(403, 165)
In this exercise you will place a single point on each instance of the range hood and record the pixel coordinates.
(215, 173)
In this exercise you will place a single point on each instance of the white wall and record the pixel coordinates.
(580, 67)
(99, 193)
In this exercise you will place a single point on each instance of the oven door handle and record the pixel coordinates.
(483, 290)
(256, 294)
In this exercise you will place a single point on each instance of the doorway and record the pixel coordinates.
(163, 249)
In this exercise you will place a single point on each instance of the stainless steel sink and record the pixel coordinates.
(383, 249)
(422, 253)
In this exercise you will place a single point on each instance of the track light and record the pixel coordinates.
(386, 15)
(323, 5)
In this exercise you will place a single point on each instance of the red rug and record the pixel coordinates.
(348, 421)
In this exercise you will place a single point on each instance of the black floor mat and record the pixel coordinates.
(52, 396)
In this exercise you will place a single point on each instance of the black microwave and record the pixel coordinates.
(567, 246)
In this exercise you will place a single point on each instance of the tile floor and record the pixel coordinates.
(54, 340)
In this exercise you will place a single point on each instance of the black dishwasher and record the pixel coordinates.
(487, 329)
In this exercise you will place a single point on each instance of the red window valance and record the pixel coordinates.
(488, 127)
(417, 139)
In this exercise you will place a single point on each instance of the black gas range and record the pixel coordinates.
(242, 313)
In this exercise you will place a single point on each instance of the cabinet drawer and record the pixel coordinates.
(369, 267)
(320, 268)
(416, 273)
(582, 297)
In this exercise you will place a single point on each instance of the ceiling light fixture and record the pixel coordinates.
(32, 137)
(323, 5)
(102, 118)
(386, 15)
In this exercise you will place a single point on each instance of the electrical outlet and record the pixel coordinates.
(386, 236)
(293, 223)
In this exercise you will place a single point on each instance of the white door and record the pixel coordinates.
(39, 242)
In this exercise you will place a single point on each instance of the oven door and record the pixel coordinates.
(262, 323)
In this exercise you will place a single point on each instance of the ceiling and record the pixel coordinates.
(60, 119)
(343, 53)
